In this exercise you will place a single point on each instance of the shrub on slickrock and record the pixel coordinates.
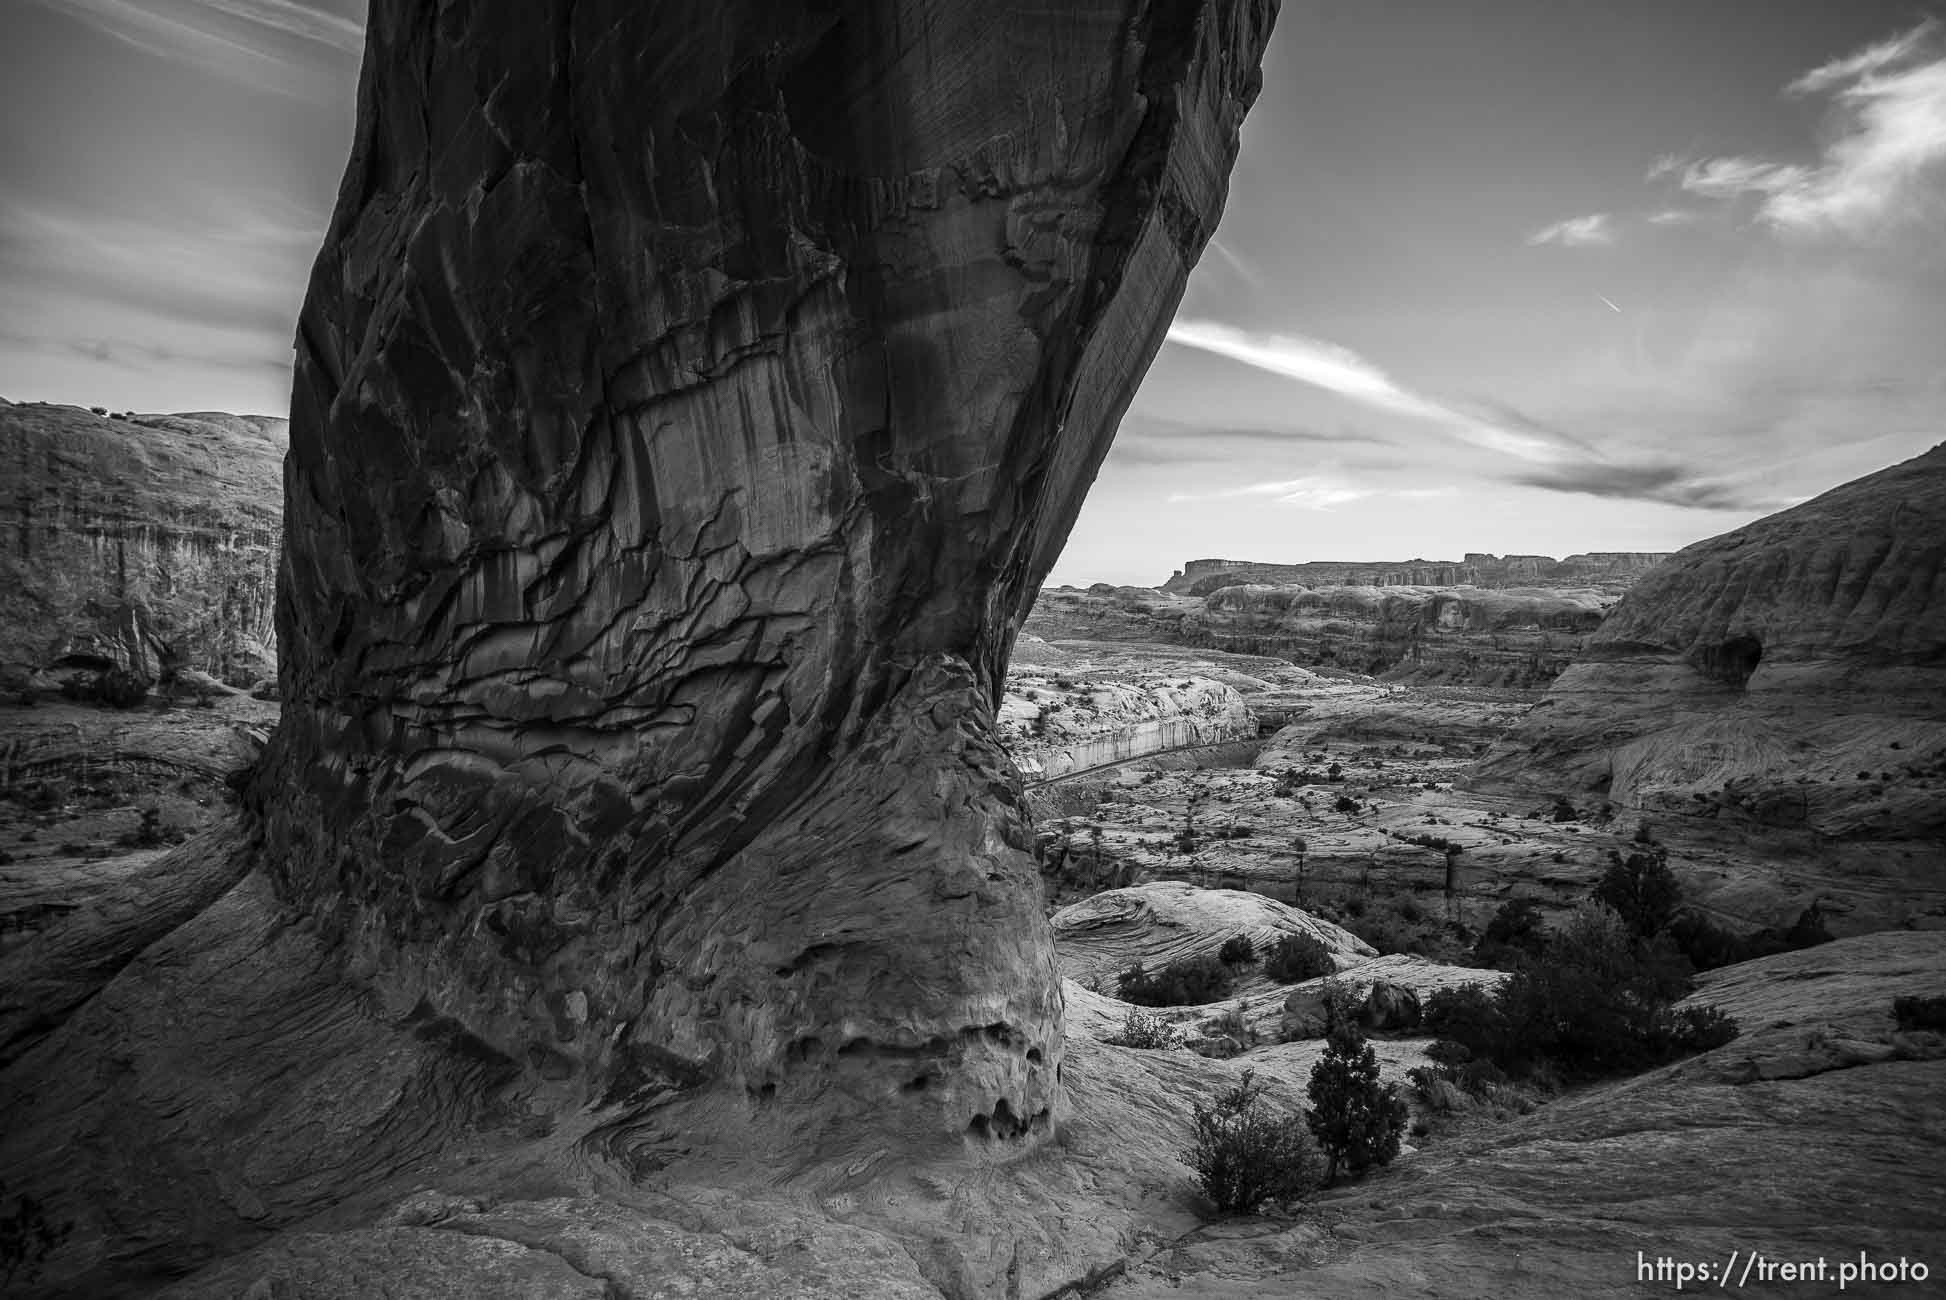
(1357, 1121)
(1595, 1003)
(1244, 1153)
(1298, 957)
(1237, 950)
(1192, 981)
(1150, 1033)
(1641, 889)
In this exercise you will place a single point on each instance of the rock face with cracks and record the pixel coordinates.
(690, 398)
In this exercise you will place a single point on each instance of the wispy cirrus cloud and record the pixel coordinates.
(1146, 439)
(1597, 228)
(1863, 63)
(1884, 164)
(239, 266)
(267, 44)
(1545, 457)
(1667, 482)
(1342, 371)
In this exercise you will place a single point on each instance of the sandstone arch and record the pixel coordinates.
(690, 398)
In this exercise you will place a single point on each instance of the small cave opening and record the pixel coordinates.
(1731, 662)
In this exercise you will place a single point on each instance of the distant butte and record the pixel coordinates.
(1594, 569)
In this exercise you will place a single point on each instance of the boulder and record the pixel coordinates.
(1389, 1009)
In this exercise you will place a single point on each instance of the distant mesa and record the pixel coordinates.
(1488, 621)
(1478, 569)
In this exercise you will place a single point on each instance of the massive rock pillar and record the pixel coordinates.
(690, 397)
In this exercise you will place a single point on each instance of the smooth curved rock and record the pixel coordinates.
(1788, 678)
(690, 398)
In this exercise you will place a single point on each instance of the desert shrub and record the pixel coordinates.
(1244, 1153)
(1237, 950)
(1356, 1120)
(1298, 957)
(1595, 1003)
(1512, 935)
(1433, 1086)
(1140, 1029)
(1346, 804)
(1467, 1016)
(1388, 932)
(1641, 889)
(1915, 1014)
(1699, 1029)
(1188, 982)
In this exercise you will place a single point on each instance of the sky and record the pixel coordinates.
(1519, 276)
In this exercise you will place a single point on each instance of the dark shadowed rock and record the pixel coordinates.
(690, 398)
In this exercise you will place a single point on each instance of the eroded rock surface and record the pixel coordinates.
(1059, 722)
(1786, 680)
(140, 539)
(689, 400)
(1515, 637)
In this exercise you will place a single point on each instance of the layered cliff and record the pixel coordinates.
(689, 400)
(1514, 637)
(1789, 675)
(1056, 723)
(139, 538)
(1616, 569)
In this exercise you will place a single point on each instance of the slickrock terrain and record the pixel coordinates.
(139, 541)
(1616, 569)
(1058, 722)
(1782, 685)
(1766, 1145)
(1515, 637)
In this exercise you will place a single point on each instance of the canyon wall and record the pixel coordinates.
(690, 398)
(1616, 569)
(1788, 676)
(139, 539)
(1515, 637)
(1057, 723)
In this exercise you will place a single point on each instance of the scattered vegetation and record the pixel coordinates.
(1515, 934)
(1641, 889)
(1298, 957)
(1244, 1153)
(1189, 982)
(1357, 1121)
(1595, 1002)
(1149, 1032)
(1237, 950)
